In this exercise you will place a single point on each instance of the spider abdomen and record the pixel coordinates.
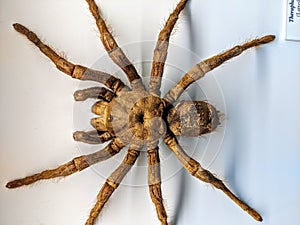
(193, 118)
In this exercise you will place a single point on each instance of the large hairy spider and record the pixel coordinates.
(137, 116)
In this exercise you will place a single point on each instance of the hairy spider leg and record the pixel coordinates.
(93, 137)
(200, 69)
(113, 50)
(75, 165)
(154, 182)
(195, 169)
(112, 183)
(161, 49)
(75, 71)
(94, 92)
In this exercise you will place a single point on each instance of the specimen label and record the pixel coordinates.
(293, 20)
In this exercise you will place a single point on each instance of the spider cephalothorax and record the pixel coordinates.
(139, 117)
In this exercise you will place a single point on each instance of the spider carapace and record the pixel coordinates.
(139, 117)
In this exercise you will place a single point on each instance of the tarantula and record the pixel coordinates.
(137, 116)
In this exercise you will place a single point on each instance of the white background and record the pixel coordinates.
(260, 155)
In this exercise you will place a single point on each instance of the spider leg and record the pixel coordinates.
(195, 169)
(112, 183)
(92, 137)
(75, 165)
(75, 71)
(94, 92)
(154, 182)
(161, 49)
(199, 70)
(114, 51)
